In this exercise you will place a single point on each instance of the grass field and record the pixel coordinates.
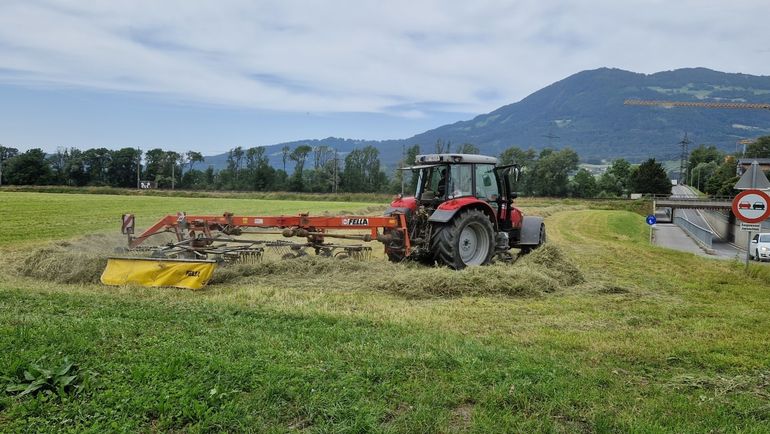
(646, 340)
(28, 216)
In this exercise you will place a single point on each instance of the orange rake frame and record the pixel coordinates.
(200, 229)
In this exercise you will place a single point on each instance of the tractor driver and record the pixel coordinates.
(441, 188)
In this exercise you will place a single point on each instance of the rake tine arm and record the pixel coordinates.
(161, 226)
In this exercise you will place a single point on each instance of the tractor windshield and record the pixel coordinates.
(432, 182)
(445, 181)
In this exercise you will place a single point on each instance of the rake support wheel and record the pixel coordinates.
(466, 240)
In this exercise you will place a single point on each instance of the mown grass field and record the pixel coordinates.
(26, 216)
(649, 340)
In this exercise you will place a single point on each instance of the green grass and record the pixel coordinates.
(652, 341)
(28, 216)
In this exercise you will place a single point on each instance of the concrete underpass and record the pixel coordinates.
(703, 227)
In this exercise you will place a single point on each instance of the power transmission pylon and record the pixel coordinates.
(683, 159)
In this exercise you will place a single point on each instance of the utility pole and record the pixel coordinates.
(1, 170)
(138, 168)
(173, 165)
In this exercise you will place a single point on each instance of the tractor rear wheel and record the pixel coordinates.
(467, 240)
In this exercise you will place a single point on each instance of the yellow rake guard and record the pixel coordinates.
(179, 273)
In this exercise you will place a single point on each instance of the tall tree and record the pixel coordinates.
(550, 176)
(526, 160)
(75, 169)
(583, 184)
(285, 154)
(650, 177)
(123, 167)
(97, 163)
(299, 155)
(609, 185)
(58, 161)
(362, 171)
(703, 154)
(193, 157)
(721, 182)
(468, 148)
(443, 147)
(621, 169)
(759, 149)
(28, 168)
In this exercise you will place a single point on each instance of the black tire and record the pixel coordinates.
(467, 240)
(396, 254)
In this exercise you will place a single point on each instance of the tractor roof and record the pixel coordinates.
(454, 159)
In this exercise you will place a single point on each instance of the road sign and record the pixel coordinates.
(752, 179)
(128, 224)
(651, 220)
(751, 206)
(751, 227)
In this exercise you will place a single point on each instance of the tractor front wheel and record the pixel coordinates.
(467, 240)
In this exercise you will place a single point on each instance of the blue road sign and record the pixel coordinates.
(651, 220)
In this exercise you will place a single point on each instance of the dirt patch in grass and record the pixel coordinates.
(545, 270)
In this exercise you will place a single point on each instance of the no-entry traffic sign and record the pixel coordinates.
(751, 206)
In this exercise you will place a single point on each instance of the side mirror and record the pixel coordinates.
(487, 181)
(753, 241)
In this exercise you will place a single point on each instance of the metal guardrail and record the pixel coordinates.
(703, 235)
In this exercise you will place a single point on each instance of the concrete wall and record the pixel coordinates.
(729, 229)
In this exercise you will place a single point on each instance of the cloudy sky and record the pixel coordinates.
(210, 75)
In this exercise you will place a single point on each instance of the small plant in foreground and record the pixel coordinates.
(65, 379)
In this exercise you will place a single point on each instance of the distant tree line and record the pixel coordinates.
(315, 169)
(714, 172)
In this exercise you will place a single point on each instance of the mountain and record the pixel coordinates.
(585, 111)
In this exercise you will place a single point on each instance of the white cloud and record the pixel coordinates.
(365, 56)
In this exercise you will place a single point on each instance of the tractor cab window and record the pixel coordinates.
(433, 182)
(486, 183)
(461, 180)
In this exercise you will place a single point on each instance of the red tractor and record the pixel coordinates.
(462, 213)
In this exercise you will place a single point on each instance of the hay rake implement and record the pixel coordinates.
(233, 239)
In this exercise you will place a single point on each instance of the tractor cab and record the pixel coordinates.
(444, 177)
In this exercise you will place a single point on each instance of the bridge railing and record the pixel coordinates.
(703, 235)
(692, 198)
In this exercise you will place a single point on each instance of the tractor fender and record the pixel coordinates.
(447, 210)
(530, 231)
